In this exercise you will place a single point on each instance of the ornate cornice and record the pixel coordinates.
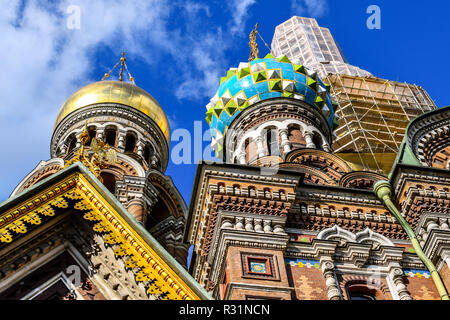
(160, 280)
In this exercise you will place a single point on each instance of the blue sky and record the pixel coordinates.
(178, 50)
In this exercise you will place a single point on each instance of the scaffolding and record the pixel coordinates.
(373, 115)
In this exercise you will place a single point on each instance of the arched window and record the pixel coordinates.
(148, 153)
(361, 292)
(233, 146)
(247, 150)
(272, 142)
(130, 142)
(71, 142)
(296, 136)
(92, 134)
(110, 136)
(109, 181)
(317, 140)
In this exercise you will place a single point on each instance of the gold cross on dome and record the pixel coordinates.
(122, 65)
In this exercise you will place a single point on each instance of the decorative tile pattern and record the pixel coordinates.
(258, 266)
(303, 263)
(414, 273)
(263, 79)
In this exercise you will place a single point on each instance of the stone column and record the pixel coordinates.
(63, 150)
(100, 134)
(153, 161)
(242, 155)
(309, 142)
(242, 158)
(259, 143)
(140, 148)
(327, 265)
(326, 147)
(396, 275)
(285, 144)
(121, 143)
(78, 144)
(137, 208)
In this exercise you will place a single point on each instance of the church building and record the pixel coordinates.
(281, 216)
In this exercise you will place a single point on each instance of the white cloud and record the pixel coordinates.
(310, 8)
(45, 61)
(239, 8)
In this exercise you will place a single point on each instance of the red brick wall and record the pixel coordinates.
(296, 137)
(421, 288)
(445, 275)
(236, 275)
(251, 151)
(309, 283)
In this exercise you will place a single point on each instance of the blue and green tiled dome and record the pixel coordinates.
(263, 79)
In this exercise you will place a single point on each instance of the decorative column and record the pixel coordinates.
(242, 158)
(137, 208)
(100, 134)
(285, 144)
(326, 147)
(334, 293)
(153, 161)
(259, 143)
(121, 143)
(140, 148)
(396, 275)
(78, 143)
(63, 151)
(309, 142)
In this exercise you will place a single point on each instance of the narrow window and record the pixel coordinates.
(272, 142)
(130, 142)
(110, 136)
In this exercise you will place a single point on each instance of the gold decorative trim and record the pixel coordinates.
(153, 272)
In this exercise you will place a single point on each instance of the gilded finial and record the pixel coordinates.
(122, 63)
(254, 51)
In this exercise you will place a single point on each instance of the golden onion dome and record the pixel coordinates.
(116, 92)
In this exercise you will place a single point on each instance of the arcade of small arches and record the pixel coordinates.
(275, 138)
(127, 140)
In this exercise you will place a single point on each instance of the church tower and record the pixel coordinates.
(131, 121)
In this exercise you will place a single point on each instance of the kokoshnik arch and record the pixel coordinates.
(313, 227)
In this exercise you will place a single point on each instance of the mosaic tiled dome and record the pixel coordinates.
(263, 79)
